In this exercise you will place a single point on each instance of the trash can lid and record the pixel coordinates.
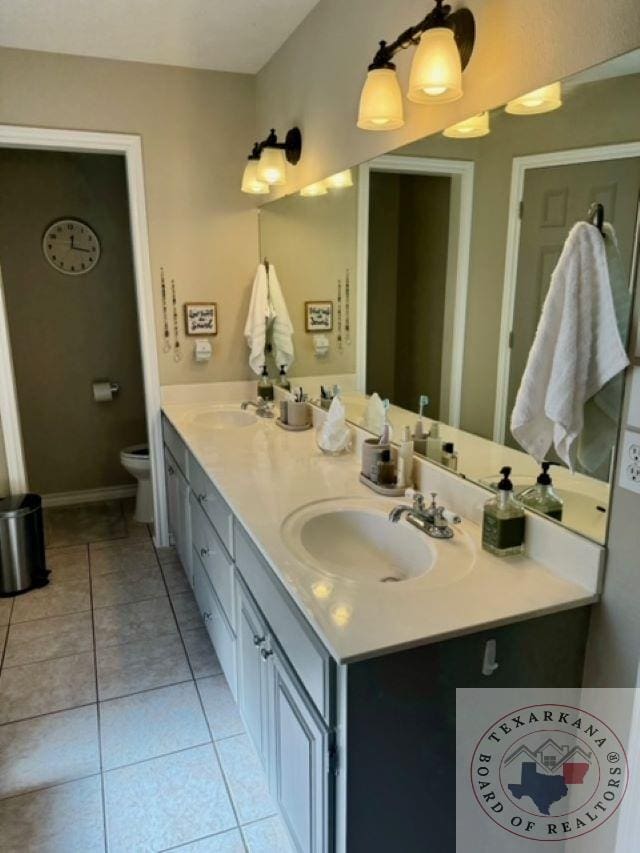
(14, 505)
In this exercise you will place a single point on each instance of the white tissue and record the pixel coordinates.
(374, 416)
(334, 436)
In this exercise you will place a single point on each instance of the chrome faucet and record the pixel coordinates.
(433, 520)
(263, 407)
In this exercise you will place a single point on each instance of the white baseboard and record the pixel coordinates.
(87, 496)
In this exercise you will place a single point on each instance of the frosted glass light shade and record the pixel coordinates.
(340, 180)
(381, 101)
(436, 70)
(319, 188)
(542, 100)
(250, 182)
(477, 125)
(272, 167)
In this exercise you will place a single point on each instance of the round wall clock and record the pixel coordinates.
(71, 246)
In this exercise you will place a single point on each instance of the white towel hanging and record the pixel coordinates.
(576, 351)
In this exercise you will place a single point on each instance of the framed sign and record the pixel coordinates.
(318, 316)
(201, 318)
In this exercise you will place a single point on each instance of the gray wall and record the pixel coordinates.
(67, 331)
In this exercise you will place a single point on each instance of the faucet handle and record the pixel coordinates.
(415, 496)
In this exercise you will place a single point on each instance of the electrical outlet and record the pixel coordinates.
(630, 462)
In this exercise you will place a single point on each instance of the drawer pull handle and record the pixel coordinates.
(202, 498)
(266, 653)
(258, 640)
(204, 552)
(489, 663)
(171, 470)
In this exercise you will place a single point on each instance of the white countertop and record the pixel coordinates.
(265, 473)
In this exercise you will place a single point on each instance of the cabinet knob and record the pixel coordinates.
(489, 663)
(202, 498)
(258, 640)
(266, 653)
(204, 552)
(171, 470)
(206, 615)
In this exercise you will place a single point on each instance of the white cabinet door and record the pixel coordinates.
(299, 759)
(252, 672)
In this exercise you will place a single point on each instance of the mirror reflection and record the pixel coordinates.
(480, 285)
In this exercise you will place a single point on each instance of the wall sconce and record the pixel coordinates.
(542, 100)
(268, 160)
(445, 42)
(313, 190)
(469, 128)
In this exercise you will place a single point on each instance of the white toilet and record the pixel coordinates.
(135, 460)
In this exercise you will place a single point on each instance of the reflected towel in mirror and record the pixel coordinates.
(268, 313)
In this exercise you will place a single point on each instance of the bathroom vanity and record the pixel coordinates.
(346, 681)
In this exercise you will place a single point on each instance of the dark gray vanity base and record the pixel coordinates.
(401, 747)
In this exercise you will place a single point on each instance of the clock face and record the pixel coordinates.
(71, 246)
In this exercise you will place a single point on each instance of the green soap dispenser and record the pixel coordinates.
(542, 497)
(265, 385)
(503, 521)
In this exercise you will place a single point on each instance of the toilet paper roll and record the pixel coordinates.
(102, 392)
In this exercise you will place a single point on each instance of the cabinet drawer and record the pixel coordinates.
(311, 661)
(214, 558)
(175, 444)
(212, 503)
(215, 622)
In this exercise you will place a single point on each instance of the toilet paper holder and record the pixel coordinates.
(105, 390)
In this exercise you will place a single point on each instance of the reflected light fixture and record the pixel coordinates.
(268, 161)
(311, 190)
(444, 41)
(470, 128)
(543, 100)
(340, 180)
(250, 182)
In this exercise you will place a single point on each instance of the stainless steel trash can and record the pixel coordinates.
(22, 557)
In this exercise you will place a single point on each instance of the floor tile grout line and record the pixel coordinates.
(182, 749)
(5, 642)
(216, 753)
(206, 838)
(48, 713)
(50, 616)
(58, 784)
(45, 660)
(146, 690)
(99, 727)
(135, 601)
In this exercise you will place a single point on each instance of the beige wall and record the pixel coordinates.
(197, 128)
(598, 113)
(67, 331)
(316, 77)
(312, 242)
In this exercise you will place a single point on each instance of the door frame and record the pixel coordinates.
(519, 170)
(462, 172)
(129, 145)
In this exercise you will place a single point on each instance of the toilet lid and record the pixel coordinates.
(139, 451)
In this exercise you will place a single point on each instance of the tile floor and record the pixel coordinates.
(118, 731)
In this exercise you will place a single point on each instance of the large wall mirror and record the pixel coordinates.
(438, 259)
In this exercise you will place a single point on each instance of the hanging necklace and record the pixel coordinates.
(177, 355)
(347, 292)
(339, 315)
(163, 289)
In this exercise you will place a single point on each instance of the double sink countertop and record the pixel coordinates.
(266, 473)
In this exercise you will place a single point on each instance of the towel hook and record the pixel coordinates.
(596, 216)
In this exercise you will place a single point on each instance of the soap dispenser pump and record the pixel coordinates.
(503, 520)
(542, 497)
(283, 382)
(265, 385)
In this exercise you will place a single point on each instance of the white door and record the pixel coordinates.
(299, 759)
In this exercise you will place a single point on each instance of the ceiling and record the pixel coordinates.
(222, 35)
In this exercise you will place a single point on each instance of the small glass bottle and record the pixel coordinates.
(283, 382)
(542, 497)
(449, 456)
(503, 521)
(265, 385)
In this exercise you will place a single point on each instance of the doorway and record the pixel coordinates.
(140, 421)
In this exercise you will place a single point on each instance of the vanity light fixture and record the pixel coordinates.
(341, 180)
(268, 160)
(475, 126)
(250, 182)
(444, 42)
(543, 100)
(313, 190)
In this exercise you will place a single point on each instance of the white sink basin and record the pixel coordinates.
(353, 539)
(223, 418)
